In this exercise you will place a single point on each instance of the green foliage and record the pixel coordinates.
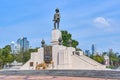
(111, 67)
(74, 43)
(33, 50)
(113, 58)
(7, 47)
(5, 54)
(78, 49)
(1, 62)
(25, 56)
(0, 51)
(22, 57)
(8, 59)
(19, 57)
(99, 59)
(6, 50)
(66, 37)
(104, 53)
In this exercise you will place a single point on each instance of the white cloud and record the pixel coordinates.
(101, 22)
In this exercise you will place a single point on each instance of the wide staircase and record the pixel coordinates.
(89, 62)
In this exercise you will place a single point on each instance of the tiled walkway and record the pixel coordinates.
(5, 77)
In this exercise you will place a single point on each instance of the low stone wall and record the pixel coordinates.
(72, 73)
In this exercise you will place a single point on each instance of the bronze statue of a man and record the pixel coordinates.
(56, 19)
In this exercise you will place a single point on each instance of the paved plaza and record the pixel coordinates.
(59, 75)
(33, 77)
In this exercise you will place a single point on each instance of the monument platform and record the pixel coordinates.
(56, 56)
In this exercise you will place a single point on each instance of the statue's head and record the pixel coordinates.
(57, 10)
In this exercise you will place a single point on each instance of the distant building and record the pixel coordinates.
(87, 52)
(110, 50)
(12, 47)
(23, 44)
(93, 49)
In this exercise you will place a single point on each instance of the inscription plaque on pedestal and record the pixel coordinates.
(48, 54)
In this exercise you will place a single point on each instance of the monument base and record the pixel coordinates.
(60, 57)
(56, 34)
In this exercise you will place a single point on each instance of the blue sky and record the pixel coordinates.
(89, 21)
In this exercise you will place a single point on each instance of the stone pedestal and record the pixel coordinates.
(56, 34)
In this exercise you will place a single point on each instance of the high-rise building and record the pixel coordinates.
(23, 44)
(12, 47)
(93, 49)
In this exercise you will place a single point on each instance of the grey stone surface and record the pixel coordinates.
(72, 73)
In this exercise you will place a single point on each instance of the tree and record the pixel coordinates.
(0, 51)
(19, 57)
(99, 59)
(7, 47)
(6, 50)
(6, 57)
(66, 37)
(104, 53)
(1, 62)
(24, 56)
(34, 50)
(113, 58)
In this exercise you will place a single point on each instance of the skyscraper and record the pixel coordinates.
(23, 44)
(93, 49)
(12, 47)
